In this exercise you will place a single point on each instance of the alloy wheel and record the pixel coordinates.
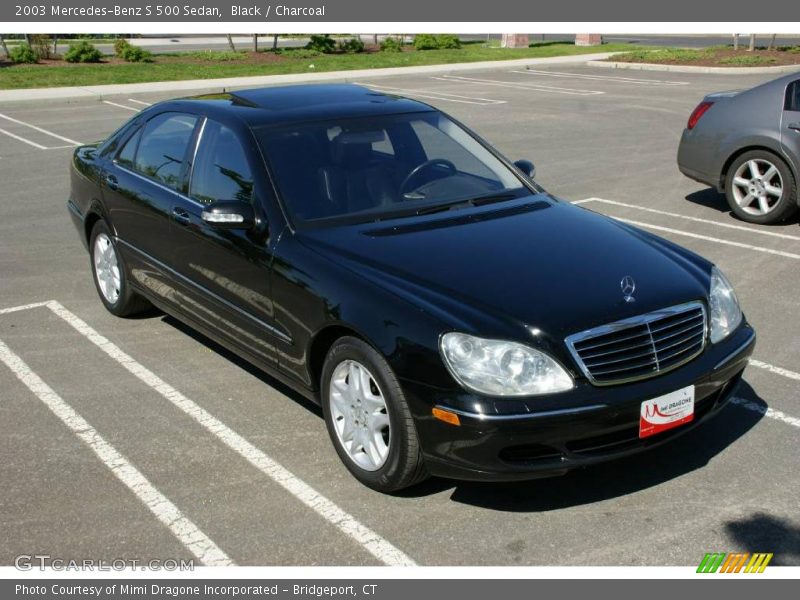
(757, 186)
(106, 268)
(359, 414)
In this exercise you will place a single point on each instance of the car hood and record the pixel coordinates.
(535, 262)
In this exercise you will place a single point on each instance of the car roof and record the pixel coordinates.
(297, 103)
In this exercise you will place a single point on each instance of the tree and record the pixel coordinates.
(752, 42)
(275, 42)
(772, 41)
(3, 44)
(230, 43)
(255, 42)
(735, 41)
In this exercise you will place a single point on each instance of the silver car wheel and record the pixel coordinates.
(757, 187)
(106, 268)
(359, 414)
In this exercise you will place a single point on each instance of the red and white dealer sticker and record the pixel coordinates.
(666, 412)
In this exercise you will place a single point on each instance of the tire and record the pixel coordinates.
(402, 463)
(760, 188)
(104, 258)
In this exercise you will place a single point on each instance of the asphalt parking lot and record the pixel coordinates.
(139, 439)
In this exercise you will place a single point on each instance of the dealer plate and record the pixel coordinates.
(666, 412)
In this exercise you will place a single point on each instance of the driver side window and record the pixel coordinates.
(221, 170)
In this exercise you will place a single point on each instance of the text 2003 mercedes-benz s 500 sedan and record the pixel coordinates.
(450, 316)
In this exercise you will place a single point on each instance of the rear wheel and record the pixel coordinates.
(368, 418)
(760, 188)
(110, 275)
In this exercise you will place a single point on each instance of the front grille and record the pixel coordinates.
(640, 347)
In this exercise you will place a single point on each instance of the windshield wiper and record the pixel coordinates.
(478, 201)
(492, 198)
(429, 210)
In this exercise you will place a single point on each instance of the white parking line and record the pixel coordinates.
(13, 309)
(520, 86)
(373, 543)
(140, 102)
(766, 411)
(784, 236)
(22, 139)
(708, 238)
(192, 538)
(41, 130)
(657, 82)
(775, 370)
(436, 95)
(130, 108)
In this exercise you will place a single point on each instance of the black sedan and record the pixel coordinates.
(450, 316)
(746, 144)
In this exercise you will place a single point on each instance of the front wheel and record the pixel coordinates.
(368, 419)
(760, 188)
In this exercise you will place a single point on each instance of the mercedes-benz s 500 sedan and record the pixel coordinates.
(450, 316)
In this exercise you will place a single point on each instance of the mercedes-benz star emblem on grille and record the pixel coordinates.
(628, 286)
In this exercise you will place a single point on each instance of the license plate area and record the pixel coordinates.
(666, 412)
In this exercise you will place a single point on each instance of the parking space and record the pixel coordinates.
(142, 439)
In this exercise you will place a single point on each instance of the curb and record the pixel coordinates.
(98, 92)
(689, 69)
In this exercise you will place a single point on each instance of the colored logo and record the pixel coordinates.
(737, 562)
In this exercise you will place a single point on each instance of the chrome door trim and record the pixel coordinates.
(227, 303)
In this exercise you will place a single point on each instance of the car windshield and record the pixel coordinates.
(380, 167)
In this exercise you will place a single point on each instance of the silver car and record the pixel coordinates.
(747, 145)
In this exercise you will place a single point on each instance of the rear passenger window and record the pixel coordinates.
(128, 153)
(115, 139)
(163, 148)
(793, 96)
(221, 170)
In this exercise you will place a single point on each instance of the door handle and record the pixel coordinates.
(181, 215)
(111, 182)
(795, 126)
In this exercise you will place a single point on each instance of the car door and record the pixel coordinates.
(790, 124)
(139, 187)
(224, 274)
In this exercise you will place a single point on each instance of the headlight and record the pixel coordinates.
(725, 312)
(499, 368)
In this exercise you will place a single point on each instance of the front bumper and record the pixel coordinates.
(588, 425)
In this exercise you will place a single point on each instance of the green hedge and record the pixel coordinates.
(426, 41)
(23, 53)
(83, 52)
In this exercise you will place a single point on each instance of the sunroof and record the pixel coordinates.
(302, 96)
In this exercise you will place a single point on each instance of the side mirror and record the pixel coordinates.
(229, 214)
(526, 167)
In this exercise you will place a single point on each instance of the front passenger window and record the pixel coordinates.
(163, 148)
(221, 170)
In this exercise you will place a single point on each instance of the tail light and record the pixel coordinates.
(697, 113)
